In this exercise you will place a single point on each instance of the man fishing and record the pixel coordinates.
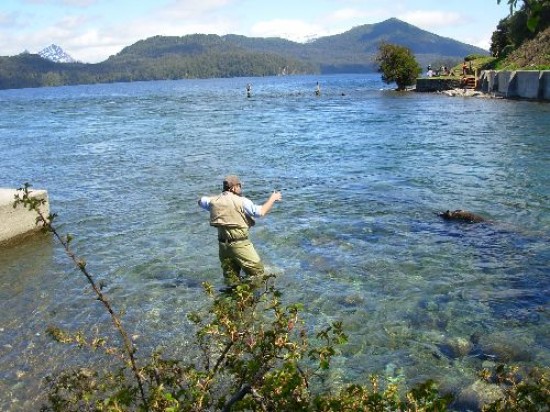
(233, 214)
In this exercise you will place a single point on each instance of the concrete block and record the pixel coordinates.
(506, 83)
(528, 84)
(522, 84)
(545, 84)
(15, 223)
(488, 81)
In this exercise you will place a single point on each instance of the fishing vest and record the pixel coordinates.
(227, 210)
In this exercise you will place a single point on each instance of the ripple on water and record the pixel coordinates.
(356, 237)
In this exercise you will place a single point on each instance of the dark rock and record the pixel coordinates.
(478, 394)
(462, 216)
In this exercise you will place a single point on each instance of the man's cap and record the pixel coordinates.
(230, 181)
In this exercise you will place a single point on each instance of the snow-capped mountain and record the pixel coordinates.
(56, 54)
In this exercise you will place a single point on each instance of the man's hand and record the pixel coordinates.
(275, 197)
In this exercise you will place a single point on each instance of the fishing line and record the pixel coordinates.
(325, 182)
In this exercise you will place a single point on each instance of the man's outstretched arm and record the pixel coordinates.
(266, 207)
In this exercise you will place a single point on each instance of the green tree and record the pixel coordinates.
(521, 25)
(534, 9)
(500, 39)
(397, 64)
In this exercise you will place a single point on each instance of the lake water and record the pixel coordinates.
(363, 171)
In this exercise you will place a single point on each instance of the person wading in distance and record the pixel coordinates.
(233, 215)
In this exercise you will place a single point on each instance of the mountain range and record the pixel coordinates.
(208, 55)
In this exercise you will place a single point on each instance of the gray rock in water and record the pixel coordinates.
(478, 394)
(503, 348)
(456, 347)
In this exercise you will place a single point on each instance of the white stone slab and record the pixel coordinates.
(19, 221)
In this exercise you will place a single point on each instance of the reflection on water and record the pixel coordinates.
(355, 238)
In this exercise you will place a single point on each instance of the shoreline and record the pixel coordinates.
(530, 85)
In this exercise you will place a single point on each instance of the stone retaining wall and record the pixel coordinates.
(520, 84)
(15, 223)
(436, 84)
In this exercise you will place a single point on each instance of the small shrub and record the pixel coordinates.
(529, 392)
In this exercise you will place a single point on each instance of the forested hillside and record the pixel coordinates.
(208, 55)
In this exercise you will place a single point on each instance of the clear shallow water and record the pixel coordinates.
(362, 170)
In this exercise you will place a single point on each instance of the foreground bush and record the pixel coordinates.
(254, 354)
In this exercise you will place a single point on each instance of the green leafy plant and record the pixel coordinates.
(529, 392)
(33, 204)
(534, 9)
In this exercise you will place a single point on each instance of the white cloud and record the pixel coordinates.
(79, 3)
(59, 33)
(430, 20)
(5, 19)
(348, 14)
(75, 3)
(9, 20)
(91, 47)
(180, 18)
(88, 39)
(296, 30)
(186, 9)
(457, 25)
(177, 19)
(334, 22)
(482, 40)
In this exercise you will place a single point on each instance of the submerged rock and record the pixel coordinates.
(478, 394)
(351, 300)
(504, 348)
(456, 347)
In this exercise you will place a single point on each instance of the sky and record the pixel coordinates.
(92, 30)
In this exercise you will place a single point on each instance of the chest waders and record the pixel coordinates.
(236, 251)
